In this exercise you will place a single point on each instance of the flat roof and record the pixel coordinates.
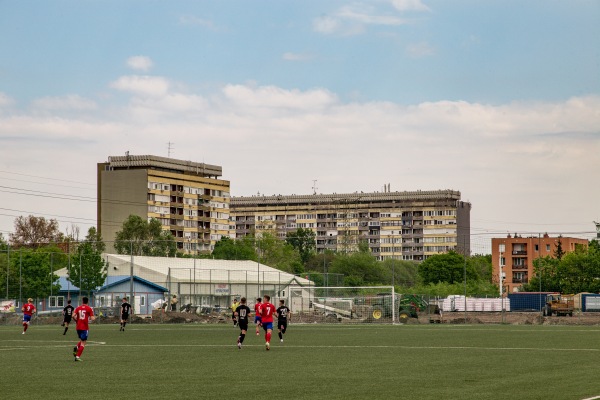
(164, 163)
(343, 198)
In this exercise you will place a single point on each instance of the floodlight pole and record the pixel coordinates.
(7, 268)
(131, 276)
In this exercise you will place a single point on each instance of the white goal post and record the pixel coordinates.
(352, 305)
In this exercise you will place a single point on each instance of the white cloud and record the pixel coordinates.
(140, 63)
(515, 161)
(326, 24)
(142, 85)
(192, 20)
(68, 102)
(421, 49)
(289, 56)
(275, 97)
(5, 100)
(410, 5)
(366, 16)
(353, 19)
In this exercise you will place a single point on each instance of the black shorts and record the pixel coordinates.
(124, 317)
(282, 324)
(67, 320)
(243, 325)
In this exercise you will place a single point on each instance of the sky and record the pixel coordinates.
(499, 99)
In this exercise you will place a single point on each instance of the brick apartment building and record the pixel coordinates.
(515, 255)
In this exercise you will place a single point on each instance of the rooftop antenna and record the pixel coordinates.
(170, 146)
(314, 186)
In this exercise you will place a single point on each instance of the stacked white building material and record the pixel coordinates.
(473, 304)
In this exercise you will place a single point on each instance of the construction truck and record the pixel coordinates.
(558, 305)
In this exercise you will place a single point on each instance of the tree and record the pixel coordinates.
(144, 238)
(95, 240)
(34, 231)
(278, 254)
(87, 269)
(558, 251)
(230, 249)
(406, 273)
(447, 267)
(546, 276)
(34, 269)
(482, 265)
(360, 268)
(303, 240)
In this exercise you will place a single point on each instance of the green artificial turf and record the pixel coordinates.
(315, 362)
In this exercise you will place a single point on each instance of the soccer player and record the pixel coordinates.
(282, 318)
(234, 307)
(257, 320)
(125, 310)
(67, 315)
(266, 315)
(28, 310)
(242, 312)
(82, 315)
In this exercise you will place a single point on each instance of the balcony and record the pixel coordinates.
(519, 267)
(520, 280)
(519, 252)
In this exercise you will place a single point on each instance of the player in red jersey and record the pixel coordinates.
(28, 310)
(266, 315)
(257, 320)
(82, 315)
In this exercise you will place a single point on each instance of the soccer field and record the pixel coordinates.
(315, 362)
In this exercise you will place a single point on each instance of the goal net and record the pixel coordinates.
(372, 304)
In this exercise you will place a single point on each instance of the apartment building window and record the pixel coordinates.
(502, 248)
(547, 247)
(537, 247)
(502, 261)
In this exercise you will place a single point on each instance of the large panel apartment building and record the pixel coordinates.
(188, 198)
(398, 225)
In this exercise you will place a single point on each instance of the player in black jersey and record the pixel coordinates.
(242, 312)
(125, 310)
(67, 315)
(282, 318)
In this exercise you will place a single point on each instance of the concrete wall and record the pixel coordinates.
(120, 194)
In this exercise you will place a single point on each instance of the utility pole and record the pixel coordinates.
(131, 276)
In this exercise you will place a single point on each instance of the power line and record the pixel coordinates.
(43, 177)
(46, 183)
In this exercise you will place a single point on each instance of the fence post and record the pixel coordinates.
(7, 268)
(20, 277)
(131, 299)
(51, 271)
(80, 273)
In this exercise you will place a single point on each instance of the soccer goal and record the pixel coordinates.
(368, 304)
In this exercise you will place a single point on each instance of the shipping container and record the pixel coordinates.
(528, 301)
(590, 302)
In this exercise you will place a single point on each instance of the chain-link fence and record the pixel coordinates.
(169, 289)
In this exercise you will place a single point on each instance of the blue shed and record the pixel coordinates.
(116, 287)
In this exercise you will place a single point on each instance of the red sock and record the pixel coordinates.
(25, 326)
(268, 335)
(80, 350)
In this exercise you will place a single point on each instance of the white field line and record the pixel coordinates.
(12, 348)
(375, 327)
(592, 398)
(364, 347)
(104, 344)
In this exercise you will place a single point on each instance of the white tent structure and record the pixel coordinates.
(214, 283)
